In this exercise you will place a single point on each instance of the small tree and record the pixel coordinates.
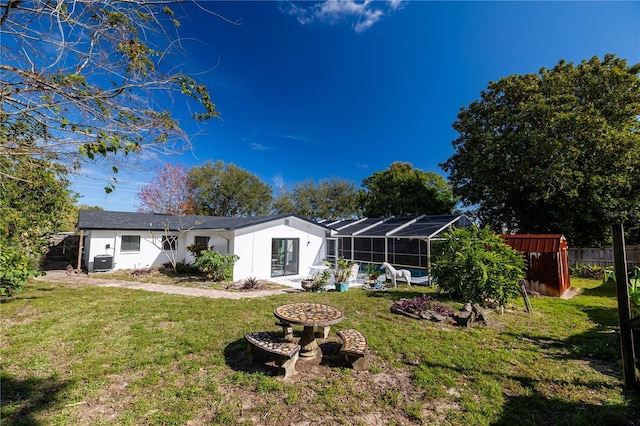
(168, 192)
(168, 242)
(474, 264)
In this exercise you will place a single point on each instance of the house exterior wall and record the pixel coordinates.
(253, 246)
(220, 241)
(110, 243)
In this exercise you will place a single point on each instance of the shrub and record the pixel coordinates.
(474, 264)
(215, 266)
(15, 270)
(583, 270)
(251, 283)
(320, 280)
(185, 268)
(197, 249)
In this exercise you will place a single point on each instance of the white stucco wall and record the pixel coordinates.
(110, 243)
(253, 245)
(219, 241)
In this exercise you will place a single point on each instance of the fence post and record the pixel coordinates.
(624, 309)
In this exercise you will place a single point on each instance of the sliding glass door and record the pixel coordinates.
(284, 256)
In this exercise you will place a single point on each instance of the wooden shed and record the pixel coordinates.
(547, 261)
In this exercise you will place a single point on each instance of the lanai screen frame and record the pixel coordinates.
(382, 229)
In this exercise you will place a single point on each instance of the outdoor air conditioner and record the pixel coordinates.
(102, 262)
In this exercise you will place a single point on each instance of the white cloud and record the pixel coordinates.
(278, 181)
(258, 146)
(361, 15)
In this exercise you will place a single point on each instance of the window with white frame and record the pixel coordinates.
(130, 243)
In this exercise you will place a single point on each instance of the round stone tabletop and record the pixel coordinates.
(308, 314)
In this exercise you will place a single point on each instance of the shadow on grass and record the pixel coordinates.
(536, 408)
(600, 345)
(23, 399)
(606, 289)
(237, 357)
(393, 294)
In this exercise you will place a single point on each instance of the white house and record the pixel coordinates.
(267, 246)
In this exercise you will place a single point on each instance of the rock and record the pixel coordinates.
(464, 318)
(481, 315)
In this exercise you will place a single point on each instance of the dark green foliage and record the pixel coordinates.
(197, 249)
(402, 190)
(222, 189)
(15, 270)
(474, 264)
(583, 270)
(215, 266)
(554, 152)
(34, 206)
(330, 199)
(185, 268)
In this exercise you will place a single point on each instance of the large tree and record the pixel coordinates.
(556, 152)
(221, 189)
(330, 199)
(89, 77)
(33, 206)
(402, 190)
(168, 192)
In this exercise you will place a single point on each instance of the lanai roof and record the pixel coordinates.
(424, 226)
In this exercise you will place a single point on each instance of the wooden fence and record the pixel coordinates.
(602, 256)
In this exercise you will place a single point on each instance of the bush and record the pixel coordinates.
(15, 270)
(583, 270)
(197, 249)
(185, 268)
(476, 265)
(251, 283)
(215, 266)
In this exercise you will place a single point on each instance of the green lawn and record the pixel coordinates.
(80, 355)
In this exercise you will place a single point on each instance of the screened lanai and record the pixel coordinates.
(404, 242)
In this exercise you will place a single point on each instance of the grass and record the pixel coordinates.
(166, 277)
(73, 354)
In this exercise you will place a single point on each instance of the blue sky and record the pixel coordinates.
(311, 90)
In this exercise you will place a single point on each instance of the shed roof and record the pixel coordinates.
(110, 220)
(540, 243)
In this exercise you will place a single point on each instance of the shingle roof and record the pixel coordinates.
(100, 219)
